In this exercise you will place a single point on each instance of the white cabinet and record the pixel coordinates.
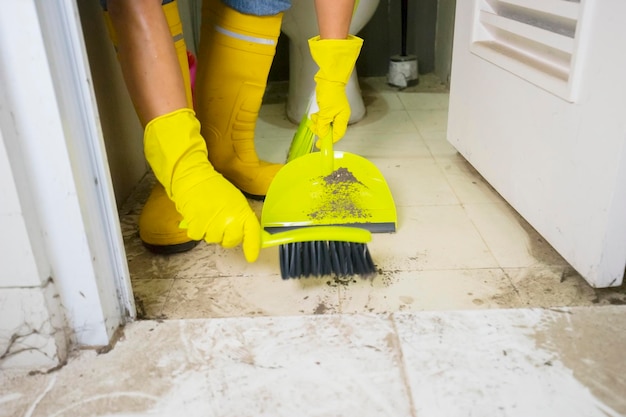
(538, 107)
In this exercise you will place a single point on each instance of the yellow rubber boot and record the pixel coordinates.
(158, 225)
(159, 219)
(234, 58)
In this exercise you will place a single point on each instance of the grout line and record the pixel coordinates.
(167, 299)
(402, 365)
(508, 277)
(463, 207)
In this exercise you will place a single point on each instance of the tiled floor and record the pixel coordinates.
(459, 245)
(499, 362)
(443, 330)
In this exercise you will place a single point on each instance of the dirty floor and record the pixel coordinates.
(498, 362)
(459, 245)
(472, 313)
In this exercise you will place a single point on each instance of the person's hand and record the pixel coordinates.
(336, 59)
(212, 208)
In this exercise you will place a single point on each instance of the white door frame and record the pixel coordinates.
(57, 154)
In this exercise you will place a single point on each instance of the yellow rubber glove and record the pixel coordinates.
(212, 208)
(336, 59)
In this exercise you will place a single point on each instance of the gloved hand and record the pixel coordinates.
(336, 59)
(212, 208)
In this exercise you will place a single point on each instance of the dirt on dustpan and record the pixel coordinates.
(340, 198)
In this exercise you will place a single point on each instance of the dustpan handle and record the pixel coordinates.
(328, 156)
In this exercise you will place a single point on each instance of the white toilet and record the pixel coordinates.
(300, 24)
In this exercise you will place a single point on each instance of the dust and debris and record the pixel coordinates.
(140, 308)
(338, 280)
(320, 309)
(341, 175)
(340, 199)
(616, 301)
(117, 336)
(388, 277)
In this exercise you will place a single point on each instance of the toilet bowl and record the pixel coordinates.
(300, 24)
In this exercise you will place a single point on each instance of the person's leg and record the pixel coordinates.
(155, 68)
(234, 58)
(212, 208)
(156, 84)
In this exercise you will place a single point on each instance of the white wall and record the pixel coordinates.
(32, 327)
(63, 274)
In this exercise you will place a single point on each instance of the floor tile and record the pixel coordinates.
(468, 185)
(429, 120)
(376, 101)
(431, 238)
(430, 291)
(505, 362)
(203, 261)
(287, 366)
(214, 261)
(151, 296)
(424, 101)
(560, 286)
(510, 238)
(393, 121)
(515, 362)
(143, 264)
(416, 182)
(249, 296)
(438, 144)
(384, 145)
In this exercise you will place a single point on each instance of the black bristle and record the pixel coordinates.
(359, 263)
(349, 261)
(335, 265)
(341, 258)
(304, 259)
(297, 259)
(327, 267)
(369, 263)
(313, 259)
(283, 252)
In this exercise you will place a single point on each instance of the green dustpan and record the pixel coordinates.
(326, 195)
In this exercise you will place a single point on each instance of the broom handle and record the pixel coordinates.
(404, 16)
(328, 156)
